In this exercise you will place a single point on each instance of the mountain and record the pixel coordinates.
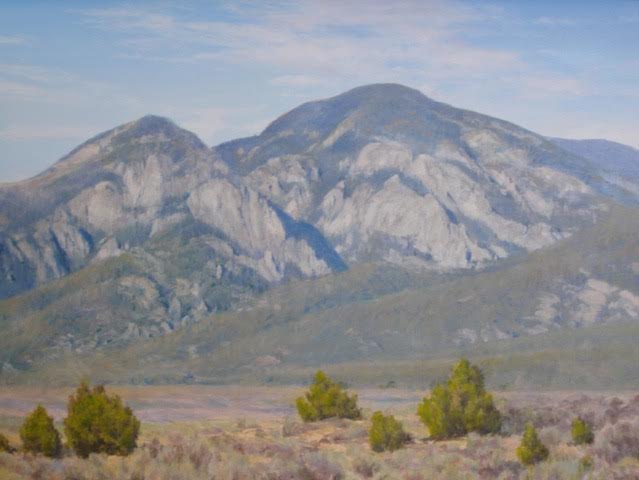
(137, 182)
(478, 188)
(565, 316)
(144, 244)
(618, 162)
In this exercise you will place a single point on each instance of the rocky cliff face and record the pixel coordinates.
(378, 173)
(130, 185)
(386, 173)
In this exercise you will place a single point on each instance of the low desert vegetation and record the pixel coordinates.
(5, 446)
(96, 423)
(581, 432)
(327, 399)
(531, 450)
(39, 435)
(386, 433)
(99, 423)
(618, 441)
(339, 449)
(460, 406)
(535, 441)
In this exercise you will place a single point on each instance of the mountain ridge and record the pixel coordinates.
(163, 233)
(400, 323)
(618, 162)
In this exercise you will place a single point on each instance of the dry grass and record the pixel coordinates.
(271, 444)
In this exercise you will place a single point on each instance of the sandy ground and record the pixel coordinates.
(160, 404)
(174, 403)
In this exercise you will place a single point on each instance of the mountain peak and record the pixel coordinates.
(153, 125)
(374, 103)
(148, 125)
(154, 122)
(383, 90)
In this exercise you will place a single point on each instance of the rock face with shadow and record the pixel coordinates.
(386, 173)
(130, 186)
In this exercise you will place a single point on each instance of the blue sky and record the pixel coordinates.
(69, 70)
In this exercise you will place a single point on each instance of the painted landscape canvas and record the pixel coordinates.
(319, 240)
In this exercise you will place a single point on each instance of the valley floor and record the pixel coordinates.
(241, 432)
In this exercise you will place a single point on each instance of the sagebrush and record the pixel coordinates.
(99, 423)
(326, 399)
(386, 433)
(461, 405)
(39, 435)
(531, 450)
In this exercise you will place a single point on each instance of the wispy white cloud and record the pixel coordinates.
(25, 87)
(20, 90)
(125, 18)
(307, 43)
(34, 73)
(52, 85)
(12, 40)
(548, 84)
(205, 122)
(30, 131)
(297, 81)
(223, 58)
(314, 39)
(210, 122)
(307, 46)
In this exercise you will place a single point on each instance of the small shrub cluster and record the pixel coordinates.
(39, 435)
(531, 450)
(581, 432)
(386, 433)
(95, 423)
(460, 406)
(586, 463)
(99, 423)
(327, 399)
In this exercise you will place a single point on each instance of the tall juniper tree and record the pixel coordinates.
(461, 405)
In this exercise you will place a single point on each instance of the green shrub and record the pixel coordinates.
(326, 399)
(386, 433)
(531, 450)
(586, 463)
(39, 435)
(460, 406)
(581, 432)
(99, 423)
(5, 446)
